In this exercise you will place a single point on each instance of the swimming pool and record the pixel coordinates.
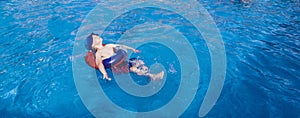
(262, 52)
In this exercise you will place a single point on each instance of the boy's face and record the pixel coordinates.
(97, 38)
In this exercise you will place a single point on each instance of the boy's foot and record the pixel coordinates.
(158, 76)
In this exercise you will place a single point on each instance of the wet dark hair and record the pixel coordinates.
(89, 41)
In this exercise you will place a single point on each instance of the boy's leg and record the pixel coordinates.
(156, 76)
(145, 72)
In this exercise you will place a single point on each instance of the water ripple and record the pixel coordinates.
(261, 39)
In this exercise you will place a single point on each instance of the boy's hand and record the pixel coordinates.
(105, 76)
(136, 51)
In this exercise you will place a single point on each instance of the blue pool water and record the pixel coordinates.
(262, 47)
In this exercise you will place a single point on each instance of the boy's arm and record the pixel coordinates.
(101, 67)
(129, 48)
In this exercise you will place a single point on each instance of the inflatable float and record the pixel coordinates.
(115, 60)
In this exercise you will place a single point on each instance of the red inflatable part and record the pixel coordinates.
(91, 60)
